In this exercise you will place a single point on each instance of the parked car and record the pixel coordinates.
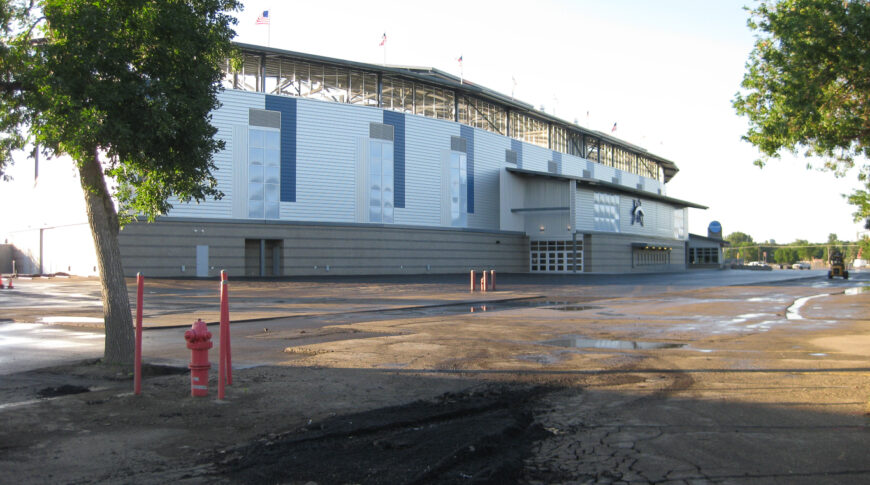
(801, 265)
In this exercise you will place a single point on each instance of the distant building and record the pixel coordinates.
(705, 252)
(340, 167)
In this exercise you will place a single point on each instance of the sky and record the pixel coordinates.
(665, 72)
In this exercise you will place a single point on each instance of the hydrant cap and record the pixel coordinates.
(198, 332)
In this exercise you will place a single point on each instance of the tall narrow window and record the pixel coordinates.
(264, 173)
(381, 181)
(458, 189)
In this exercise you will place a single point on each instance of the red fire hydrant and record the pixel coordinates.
(198, 341)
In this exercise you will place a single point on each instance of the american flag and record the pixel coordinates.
(383, 40)
(263, 19)
(459, 60)
(613, 130)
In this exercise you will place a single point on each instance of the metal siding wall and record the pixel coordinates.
(240, 171)
(287, 106)
(603, 172)
(233, 112)
(397, 120)
(467, 132)
(572, 165)
(585, 201)
(557, 157)
(658, 218)
(612, 253)
(535, 157)
(548, 193)
(426, 140)
(326, 160)
(629, 179)
(517, 146)
(489, 161)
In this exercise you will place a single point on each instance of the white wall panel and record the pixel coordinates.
(326, 148)
(629, 179)
(489, 160)
(573, 166)
(425, 141)
(535, 157)
(584, 201)
(233, 112)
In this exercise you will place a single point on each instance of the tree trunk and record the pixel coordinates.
(103, 219)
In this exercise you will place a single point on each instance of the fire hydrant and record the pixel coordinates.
(198, 341)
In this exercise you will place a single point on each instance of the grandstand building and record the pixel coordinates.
(340, 167)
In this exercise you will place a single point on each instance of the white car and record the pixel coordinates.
(801, 265)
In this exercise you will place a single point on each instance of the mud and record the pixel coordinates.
(474, 437)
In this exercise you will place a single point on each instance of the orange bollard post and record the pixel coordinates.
(137, 370)
(492, 279)
(225, 374)
(472, 281)
(483, 282)
(198, 341)
(9, 286)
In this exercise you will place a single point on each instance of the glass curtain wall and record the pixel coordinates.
(528, 129)
(292, 77)
(481, 114)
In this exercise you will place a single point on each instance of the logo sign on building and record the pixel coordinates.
(714, 230)
(636, 212)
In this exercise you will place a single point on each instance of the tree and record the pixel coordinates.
(736, 238)
(125, 88)
(807, 85)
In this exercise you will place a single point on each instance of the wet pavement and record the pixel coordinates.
(707, 377)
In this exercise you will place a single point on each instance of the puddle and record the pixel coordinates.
(586, 343)
(793, 312)
(70, 320)
(574, 308)
(858, 290)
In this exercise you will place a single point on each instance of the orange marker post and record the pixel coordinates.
(137, 373)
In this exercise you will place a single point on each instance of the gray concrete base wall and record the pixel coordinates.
(613, 253)
(167, 248)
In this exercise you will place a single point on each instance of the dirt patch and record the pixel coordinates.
(64, 390)
(475, 437)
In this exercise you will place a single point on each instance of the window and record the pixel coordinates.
(264, 173)
(703, 255)
(591, 149)
(458, 189)
(528, 129)
(381, 181)
(679, 223)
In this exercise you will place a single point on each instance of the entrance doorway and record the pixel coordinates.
(263, 257)
(559, 256)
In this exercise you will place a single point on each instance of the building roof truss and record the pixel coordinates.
(482, 114)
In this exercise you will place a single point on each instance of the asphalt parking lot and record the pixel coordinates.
(704, 377)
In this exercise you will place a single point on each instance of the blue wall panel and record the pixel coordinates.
(467, 132)
(517, 146)
(287, 106)
(397, 120)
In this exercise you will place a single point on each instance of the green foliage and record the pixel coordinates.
(807, 84)
(786, 255)
(131, 80)
(736, 238)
